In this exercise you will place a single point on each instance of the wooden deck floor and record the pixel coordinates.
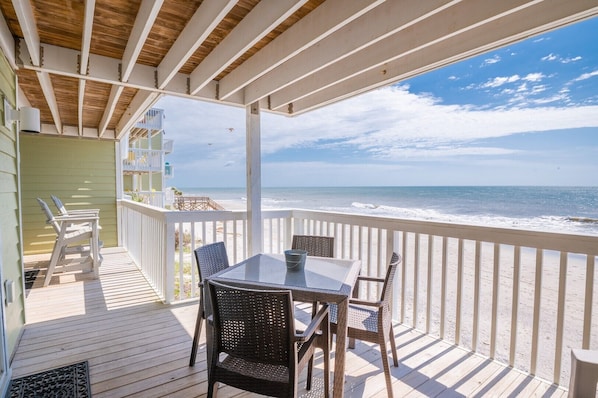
(138, 347)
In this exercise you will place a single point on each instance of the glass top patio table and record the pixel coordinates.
(323, 279)
(319, 273)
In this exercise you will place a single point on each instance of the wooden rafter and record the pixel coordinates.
(259, 22)
(290, 56)
(84, 58)
(327, 18)
(203, 22)
(143, 23)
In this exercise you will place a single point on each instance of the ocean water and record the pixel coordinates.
(554, 209)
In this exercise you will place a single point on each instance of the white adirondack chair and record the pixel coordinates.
(60, 206)
(76, 234)
(78, 212)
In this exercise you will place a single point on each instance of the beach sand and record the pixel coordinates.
(230, 204)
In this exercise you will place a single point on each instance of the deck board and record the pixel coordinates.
(137, 346)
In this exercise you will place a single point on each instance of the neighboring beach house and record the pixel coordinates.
(93, 69)
(145, 167)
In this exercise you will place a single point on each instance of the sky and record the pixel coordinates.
(526, 114)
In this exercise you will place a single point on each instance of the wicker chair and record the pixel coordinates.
(254, 346)
(371, 321)
(210, 259)
(322, 246)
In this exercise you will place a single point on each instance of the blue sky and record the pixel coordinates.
(526, 114)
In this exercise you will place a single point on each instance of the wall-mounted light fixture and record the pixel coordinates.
(28, 117)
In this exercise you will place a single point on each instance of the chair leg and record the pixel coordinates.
(326, 337)
(310, 365)
(56, 254)
(196, 336)
(310, 369)
(393, 346)
(385, 365)
(212, 389)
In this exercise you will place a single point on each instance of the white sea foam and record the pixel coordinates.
(543, 223)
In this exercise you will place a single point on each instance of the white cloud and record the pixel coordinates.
(499, 81)
(568, 60)
(549, 57)
(489, 61)
(537, 89)
(393, 116)
(389, 123)
(558, 58)
(547, 100)
(586, 76)
(534, 77)
(522, 88)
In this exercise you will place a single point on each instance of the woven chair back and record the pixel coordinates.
(253, 325)
(211, 258)
(395, 260)
(322, 246)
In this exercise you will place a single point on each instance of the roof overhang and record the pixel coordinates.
(93, 68)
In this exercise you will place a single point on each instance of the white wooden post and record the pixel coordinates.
(254, 180)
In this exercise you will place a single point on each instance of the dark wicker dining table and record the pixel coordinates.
(323, 279)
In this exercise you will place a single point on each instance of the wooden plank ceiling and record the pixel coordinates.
(94, 67)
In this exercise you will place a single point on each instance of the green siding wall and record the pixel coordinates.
(9, 212)
(82, 173)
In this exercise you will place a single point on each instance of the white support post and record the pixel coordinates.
(254, 179)
(119, 190)
(150, 161)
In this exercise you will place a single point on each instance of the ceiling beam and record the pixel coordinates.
(148, 11)
(84, 58)
(260, 21)
(62, 61)
(26, 20)
(115, 92)
(539, 18)
(7, 42)
(86, 36)
(457, 20)
(142, 101)
(321, 22)
(382, 21)
(48, 90)
(207, 17)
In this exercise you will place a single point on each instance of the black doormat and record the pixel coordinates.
(30, 278)
(70, 381)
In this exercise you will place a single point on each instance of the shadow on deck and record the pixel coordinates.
(137, 346)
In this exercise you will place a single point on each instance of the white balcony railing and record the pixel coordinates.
(524, 298)
(167, 146)
(152, 198)
(143, 160)
(151, 120)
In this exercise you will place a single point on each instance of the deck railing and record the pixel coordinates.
(144, 160)
(524, 298)
(151, 120)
